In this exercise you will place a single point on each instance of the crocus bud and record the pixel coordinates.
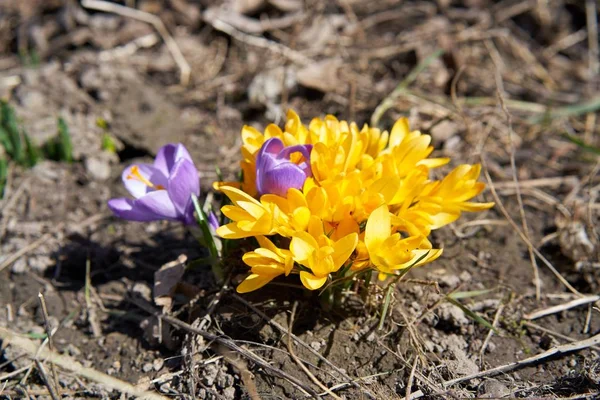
(162, 190)
(279, 168)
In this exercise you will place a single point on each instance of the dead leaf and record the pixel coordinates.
(323, 76)
(166, 280)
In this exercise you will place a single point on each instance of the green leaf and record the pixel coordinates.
(11, 127)
(471, 314)
(469, 294)
(208, 239)
(65, 147)
(582, 144)
(32, 153)
(3, 175)
(108, 143)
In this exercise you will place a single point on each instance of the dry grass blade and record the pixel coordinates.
(558, 350)
(561, 307)
(69, 364)
(513, 166)
(184, 67)
(523, 237)
(257, 41)
(290, 347)
(228, 343)
(300, 342)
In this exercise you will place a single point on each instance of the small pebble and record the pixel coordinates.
(158, 364)
(147, 367)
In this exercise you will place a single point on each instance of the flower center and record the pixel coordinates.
(297, 158)
(135, 174)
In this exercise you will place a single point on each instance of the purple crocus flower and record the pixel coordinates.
(276, 173)
(161, 190)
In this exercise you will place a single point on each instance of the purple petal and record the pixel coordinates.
(281, 178)
(168, 155)
(271, 147)
(130, 209)
(183, 182)
(267, 163)
(213, 222)
(159, 203)
(305, 149)
(138, 188)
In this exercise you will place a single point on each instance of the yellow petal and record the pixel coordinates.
(266, 243)
(235, 213)
(399, 131)
(302, 246)
(231, 231)
(253, 282)
(343, 249)
(468, 206)
(236, 195)
(310, 281)
(378, 228)
(301, 216)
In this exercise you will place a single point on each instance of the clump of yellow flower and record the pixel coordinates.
(369, 204)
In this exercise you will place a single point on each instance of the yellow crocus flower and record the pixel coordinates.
(267, 262)
(388, 251)
(320, 254)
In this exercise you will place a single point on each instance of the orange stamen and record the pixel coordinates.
(135, 174)
(297, 158)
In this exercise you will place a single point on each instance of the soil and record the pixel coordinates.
(106, 74)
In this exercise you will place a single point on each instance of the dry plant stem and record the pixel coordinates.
(592, 28)
(411, 378)
(184, 67)
(69, 364)
(14, 373)
(300, 342)
(228, 343)
(49, 333)
(558, 350)
(501, 94)
(290, 347)
(554, 333)
(490, 332)
(32, 246)
(257, 41)
(562, 307)
(42, 372)
(28, 248)
(520, 233)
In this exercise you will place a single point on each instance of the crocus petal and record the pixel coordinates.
(159, 203)
(136, 187)
(168, 155)
(343, 249)
(213, 222)
(310, 281)
(305, 149)
(378, 228)
(183, 182)
(253, 282)
(281, 178)
(130, 210)
(302, 246)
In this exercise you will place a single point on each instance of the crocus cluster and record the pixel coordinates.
(329, 199)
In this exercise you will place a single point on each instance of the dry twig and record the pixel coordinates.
(184, 67)
(290, 347)
(558, 350)
(501, 95)
(67, 363)
(561, 307)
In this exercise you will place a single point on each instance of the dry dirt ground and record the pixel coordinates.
(515, 81)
